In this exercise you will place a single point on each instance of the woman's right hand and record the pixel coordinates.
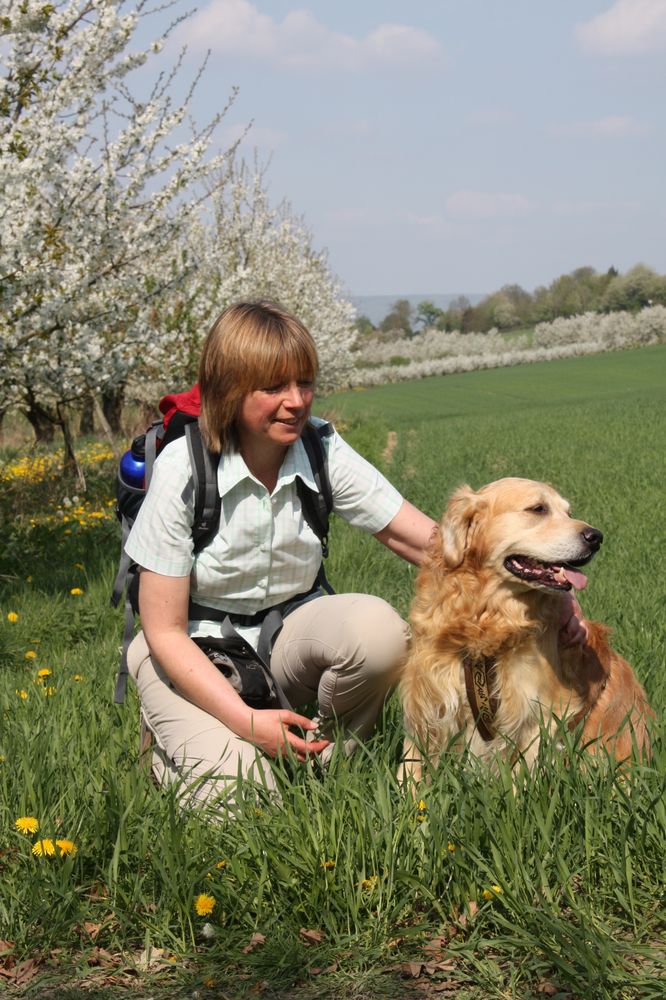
(269, 730)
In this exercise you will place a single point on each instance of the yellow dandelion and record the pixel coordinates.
(451, 847)
(28, 579)
(494, 890)
(27, 824)
(77, 677)
(79, 566)
(327, 865)
(66, 847)
(22, 694)
(44, 672)
(368, 884)
(221, 864)
(76, 591)
(12, 616)
(43, 848)
(204, 904)
(422, 806)
(30, 654)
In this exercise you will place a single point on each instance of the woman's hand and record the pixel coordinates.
(573, 630)
(269, 730)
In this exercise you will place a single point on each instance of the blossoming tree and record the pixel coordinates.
(109, 266)
(245, 248)
(98, 188)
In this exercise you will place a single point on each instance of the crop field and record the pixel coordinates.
(346, 887)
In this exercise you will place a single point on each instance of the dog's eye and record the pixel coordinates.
(539, 508)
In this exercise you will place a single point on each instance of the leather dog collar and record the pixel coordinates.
(480, 683)
(484, 702)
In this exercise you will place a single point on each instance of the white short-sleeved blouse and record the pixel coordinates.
(264, 552)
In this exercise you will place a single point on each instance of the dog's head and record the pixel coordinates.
(520, 529)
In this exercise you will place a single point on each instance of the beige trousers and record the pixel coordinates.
(342, 651)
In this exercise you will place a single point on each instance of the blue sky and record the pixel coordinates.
(451, 146)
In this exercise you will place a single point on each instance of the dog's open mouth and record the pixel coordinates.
(554, 576)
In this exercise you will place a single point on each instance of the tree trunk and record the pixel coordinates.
(87, 420)
(99, 412)
(71, 463)
(112, 406)
(41, 421)
(2, 426)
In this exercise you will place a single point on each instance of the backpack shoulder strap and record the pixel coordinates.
(207, 500)
(317, 506)
(154, 435)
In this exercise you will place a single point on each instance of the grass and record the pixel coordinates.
(347, 888)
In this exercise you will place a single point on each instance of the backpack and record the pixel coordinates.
(135, 471)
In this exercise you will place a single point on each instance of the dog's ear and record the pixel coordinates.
(457, 525)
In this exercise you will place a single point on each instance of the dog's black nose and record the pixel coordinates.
(593, 537)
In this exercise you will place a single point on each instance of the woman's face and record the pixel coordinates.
(275, 413)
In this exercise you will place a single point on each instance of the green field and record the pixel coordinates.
(356, 891)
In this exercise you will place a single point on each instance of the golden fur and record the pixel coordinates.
(469, 603)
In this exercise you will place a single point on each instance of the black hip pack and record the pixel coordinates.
(247, 669)
(244, 669)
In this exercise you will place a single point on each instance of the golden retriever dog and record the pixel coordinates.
(487, 663)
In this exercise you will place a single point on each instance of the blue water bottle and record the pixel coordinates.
(133, 464)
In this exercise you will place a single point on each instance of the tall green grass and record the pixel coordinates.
(576, 850)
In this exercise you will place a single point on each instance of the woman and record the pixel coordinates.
(257, 378)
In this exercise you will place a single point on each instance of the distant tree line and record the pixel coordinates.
(511, 308)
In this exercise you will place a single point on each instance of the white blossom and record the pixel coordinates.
(97, 189)
(245, 249)
(111, 265)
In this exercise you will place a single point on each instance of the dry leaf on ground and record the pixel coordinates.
(149, 958)
(256, 941)
(411, 970)
(547, 988)
(310, 937)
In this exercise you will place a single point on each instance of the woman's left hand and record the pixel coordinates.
(573, 628)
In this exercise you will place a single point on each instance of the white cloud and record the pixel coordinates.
(629, 27)
(301, 43)
(610, 127)
(486, 205)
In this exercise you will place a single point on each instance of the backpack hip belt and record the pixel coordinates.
(270, 619)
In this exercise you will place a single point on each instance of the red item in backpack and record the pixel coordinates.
(181, 402)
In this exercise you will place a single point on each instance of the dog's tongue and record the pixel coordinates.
(577, 579)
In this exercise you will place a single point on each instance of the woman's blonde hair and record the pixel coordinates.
(251, 345)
